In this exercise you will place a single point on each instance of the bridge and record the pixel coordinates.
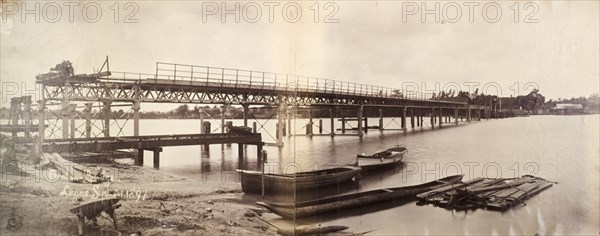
(75, 96)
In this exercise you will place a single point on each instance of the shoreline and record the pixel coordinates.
(152, 203)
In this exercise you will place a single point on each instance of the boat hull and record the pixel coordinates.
(369, 163)
(309, 208)
(252, 180)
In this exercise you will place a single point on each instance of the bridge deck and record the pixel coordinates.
(145, 142)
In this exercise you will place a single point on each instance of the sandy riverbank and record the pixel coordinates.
(153, 203)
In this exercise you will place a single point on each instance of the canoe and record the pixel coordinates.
(339, 202)
(277, 183)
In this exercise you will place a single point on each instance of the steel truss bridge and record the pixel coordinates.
(179, 83)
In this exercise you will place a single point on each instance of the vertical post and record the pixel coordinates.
(139, 161)
(27, 115)
(421, 117)
(320, 126)
(418, 117)
(223, 119)
(403, 119)
(440, 115)
(87, 113)
(456, 116)
(360, 116)
(343, 124)
(309, 126)
(380, 119)
(15, 104)
(245, 114)
(240, 151)
(64, 110)
(254, 127)
(280, 124)
(201, 120)
(432, 118)
(136, 118)
(107, 114)
(412, 118)
(469, 114)
(41, 118)
(332, 116)
(289, 129)
(157, 157)
(263, 154)
(366, 123)
(72, 109)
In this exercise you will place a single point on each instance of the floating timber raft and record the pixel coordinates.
(493, 194)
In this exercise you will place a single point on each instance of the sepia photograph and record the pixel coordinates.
(185, 117)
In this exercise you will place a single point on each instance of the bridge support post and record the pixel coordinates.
(360, 117)
(309, 126)
(469, 114)
(280, 125)
(72, 109)
(27, 115)
(366, 123)
(380, 119)
(87, 114)
(343, 124)
(139, 160)
(412, 118)
(432, 118)
(456, 116)
(332, 116)
(403, 121)
(241, 151)
(136, 118)
(245, 114)
(320, 126)
(440, 116)
(41, 118)
(64, 111)
(478, 114)
(289, 129)
(107, 115)
(223, 119)
(156, 157)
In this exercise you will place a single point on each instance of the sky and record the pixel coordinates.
(386, 43)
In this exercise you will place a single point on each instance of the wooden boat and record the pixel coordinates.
(381, 159)
(252, 180)
(308, 208)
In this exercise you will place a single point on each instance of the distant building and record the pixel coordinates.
(567, 108)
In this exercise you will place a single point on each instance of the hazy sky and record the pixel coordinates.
(369, 44)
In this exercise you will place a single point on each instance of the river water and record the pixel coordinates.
(558, 148)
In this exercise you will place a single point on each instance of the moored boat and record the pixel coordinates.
(339, 202)
(381, 159)
(281, 183)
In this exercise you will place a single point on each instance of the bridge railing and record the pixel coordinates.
(237, 78)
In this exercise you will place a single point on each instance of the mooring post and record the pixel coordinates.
(107, 114)
(156, 157)
(139, 161)
(332, 116)
(360, 117)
